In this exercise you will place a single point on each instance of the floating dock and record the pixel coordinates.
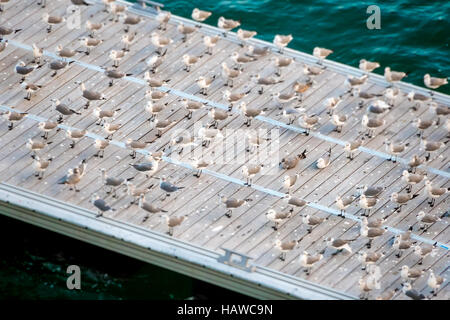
(237, 253)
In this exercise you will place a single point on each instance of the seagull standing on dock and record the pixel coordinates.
(72, 178)
(331, 104)
(282, 41)
(368, 66)
(368, 258)
(339, 121)
(393, 76)
(127, 40)
(371, 124)
(46, 127)
(408, 273)
(426, 220)
(41, 164)
(101, 205)
(411, 179)
(229, 74)
(149, 207)
(129, 21)
(52, 20)
(93, 27)
(110, 129)
(167, 186)
(395, 148)
(65, 53)
(233, 97)
(23, 70)
(434, 192)
(434, 282)
(422, 125)
(311, 221)
(434, 83)
(75, 135)
(12, 117)
(104, 114)
(232, 203)
(111, 182)
(116, 56)
(173, 222)
(307, 261)
(321, 53)
(285, 247)
(37, 53)
(354, 83)
(136, 192)
(5, 31)
(204, 83)
(245, 35)
(291, 162)
(89, 44)
(295, 202)
(115, 75)
(343, 203)
(30, 88)
(367, 204)
(189, 61)
(100, 145)
(289, 181)
(424, 251)
(185, 30)
(264, 81)
(63, 110)
(227, 25)
(277, 217)
(210, 42)
(325, 161)
(249, 112)
(90, 95)
(401, 245)
(280, 62)
(163, 18)
(200, 15)
(411, 293)
(351, 147)
(339, 244)
(308, 122)
(249, 171)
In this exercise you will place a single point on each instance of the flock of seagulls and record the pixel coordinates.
(376, 104)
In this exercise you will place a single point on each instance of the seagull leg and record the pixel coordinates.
(228, 214)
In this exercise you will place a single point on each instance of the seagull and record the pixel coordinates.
(307, 261)
(189, 61)
(232, 203)
(391, 94)
(101, 205)
(129, 21)
(424, 251)
(308, 122)
(149, 207)
(411, 293)
(434, 282)
(415, 162)
(160, 125)
(368, 258)
(282, 98)
(401, 245)
(311, 221)
(339, 244)
(93, 27)
(46, 127)
(154, 62)
(173, 222)
(154, 108)
(160, 42)
(245, 35)
(191, 106)
(295, 202)
(135, 145)
(387, 295)
(401, 199)
(367, 204)
(395, 149)
(249, 112)
(280, 62)
(292, 114)
(37, 53)
(167, 186)
(57, 65)
(233, 97)
(426, 219)
(63, 109)
(30, 88)
(185, 30)
(434, 83)
(291, 162)
(366, 284)
(408, 273)
(4, 31)
(104, 114)
(431, 146)
(127, 40)
(116, 10)
(229, 74)
(110, 129)
(332, 103)
(90, 95)
(148, 167)
(393, 76)
(249, 171)
(354, 83)
(23, 70)
(371, 124)
(89, 43)
(282, 41)
(418, 98)
(136, 192)
(75, 135)
(339, 121)
(3, 45)
(115, 75)
(217, 115)
(163, 18)
(116, 56)
(72, 177)
(200, 15)
(351, 147)
(374, 222)
(208, 134)
(65, 53)
(434, 192)
(284, 247)
(371, 191)
(324, 162)
(301, 87)
(204, 83)
(321, 53)
(368, 66)
(41, 164)
(100, 145)
(210, 42)
(52, 20)
(440, 110)
(112, 182)
(80, 3)
(371, 233)
(277, 217)
(289, 181)
(155, 95)
(343, 203)
(422, 125)
(227, 24)
(312, 70)
(12, 117)
(240, 59)
(265, 81)
(199, 164)
(367, 96)
(411, 179)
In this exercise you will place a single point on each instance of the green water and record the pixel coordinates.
(414, 37)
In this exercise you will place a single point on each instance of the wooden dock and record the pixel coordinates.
(198, 244)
